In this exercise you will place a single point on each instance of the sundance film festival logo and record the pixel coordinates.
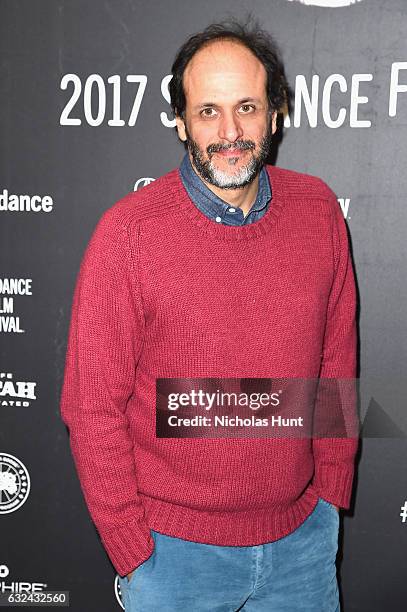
(25, 203)
(16, 392)
(10, 287)
(14, 483)
(317, 94)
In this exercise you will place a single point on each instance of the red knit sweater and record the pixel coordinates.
(165, 292)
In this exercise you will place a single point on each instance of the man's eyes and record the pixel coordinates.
(247, 109)
(248, 106)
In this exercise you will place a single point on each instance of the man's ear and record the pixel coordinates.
(180, 128)
(273, 122)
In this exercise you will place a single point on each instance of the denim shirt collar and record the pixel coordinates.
(217, 209)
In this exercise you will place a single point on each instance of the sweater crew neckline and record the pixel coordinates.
(233, 232)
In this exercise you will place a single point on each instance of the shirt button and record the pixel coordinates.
(232, 209)
(218, 219)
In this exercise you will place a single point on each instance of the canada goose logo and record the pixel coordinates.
(118, 592)
(330, 3)
(14, 483)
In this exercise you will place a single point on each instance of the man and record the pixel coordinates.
(226, 267)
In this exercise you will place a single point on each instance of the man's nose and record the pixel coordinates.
(230, 128)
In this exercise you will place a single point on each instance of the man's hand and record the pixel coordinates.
(130, 575)
(337, 507)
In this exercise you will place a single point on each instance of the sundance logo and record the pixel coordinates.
(330, 3)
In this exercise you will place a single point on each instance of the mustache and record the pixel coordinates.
(242, 144)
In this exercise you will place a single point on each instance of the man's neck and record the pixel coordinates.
(243, 198)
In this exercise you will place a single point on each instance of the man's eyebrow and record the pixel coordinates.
(241, 101)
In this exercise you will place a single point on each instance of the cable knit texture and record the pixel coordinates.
(163, 291)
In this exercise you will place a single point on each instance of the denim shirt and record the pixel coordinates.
(217, 209)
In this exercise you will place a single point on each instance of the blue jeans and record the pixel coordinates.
(296, 573)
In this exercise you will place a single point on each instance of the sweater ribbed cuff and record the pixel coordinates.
(128, 546)
(333, 482)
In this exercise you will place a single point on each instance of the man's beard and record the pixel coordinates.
(224, 180)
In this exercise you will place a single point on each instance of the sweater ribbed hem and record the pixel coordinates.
(236, 528)
(129, 546)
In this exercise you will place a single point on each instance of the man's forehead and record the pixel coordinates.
(223, 57)
(232, 73)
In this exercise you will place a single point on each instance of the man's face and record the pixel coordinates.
(227, 124)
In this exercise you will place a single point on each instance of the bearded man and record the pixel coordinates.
(225, 267)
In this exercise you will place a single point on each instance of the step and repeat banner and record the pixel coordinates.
(85, 118)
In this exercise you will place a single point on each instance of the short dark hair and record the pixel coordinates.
(257, 40)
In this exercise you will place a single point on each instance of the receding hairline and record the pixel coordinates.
(220, 40)
(223, 40)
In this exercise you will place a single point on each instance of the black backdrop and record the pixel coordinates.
(66, 139)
